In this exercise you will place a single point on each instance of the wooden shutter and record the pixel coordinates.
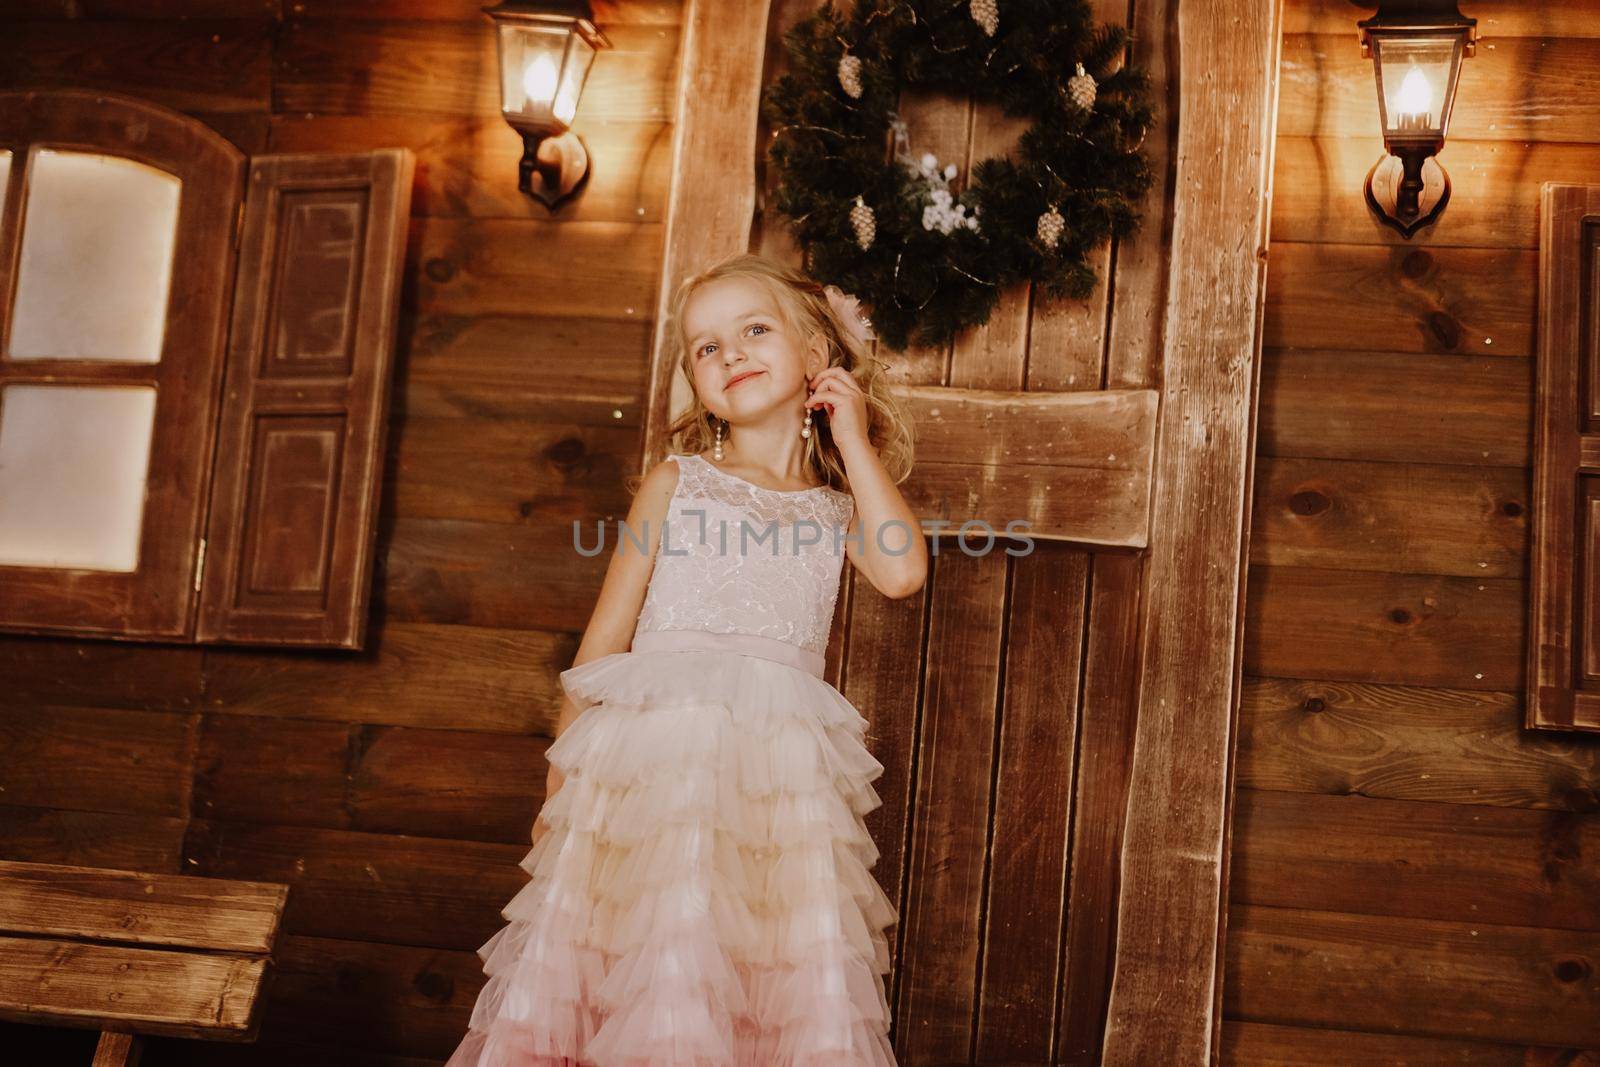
(1564, 564)
(290, 540)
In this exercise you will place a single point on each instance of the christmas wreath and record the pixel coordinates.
(882, 221)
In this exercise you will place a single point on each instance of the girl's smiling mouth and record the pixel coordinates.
(742, 377)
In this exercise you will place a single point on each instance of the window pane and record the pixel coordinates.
(74, 460)
(97, 240)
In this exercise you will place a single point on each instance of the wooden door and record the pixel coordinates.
(1056, 727)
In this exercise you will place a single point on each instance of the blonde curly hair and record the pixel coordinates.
(804, 306)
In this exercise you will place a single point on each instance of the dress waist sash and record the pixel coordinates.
(742, 644)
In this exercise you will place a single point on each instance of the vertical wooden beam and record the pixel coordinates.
(713, 194)
(1166, 985)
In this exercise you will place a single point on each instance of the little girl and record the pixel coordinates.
(700, 892)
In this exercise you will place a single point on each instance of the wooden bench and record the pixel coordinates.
(128, 953)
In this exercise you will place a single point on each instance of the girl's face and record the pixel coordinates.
(746, 360)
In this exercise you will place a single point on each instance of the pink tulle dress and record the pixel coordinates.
(702, 897)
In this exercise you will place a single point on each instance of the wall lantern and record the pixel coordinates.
(1416, 48)
(545, 53)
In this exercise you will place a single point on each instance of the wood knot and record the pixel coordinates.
(1573, 970)
(439, 269)
(1416, 263)
(1445, 330)
(1511, 508)
(1309, 502)
(567, 452)
(1400, 616)
(1313, 704)
(435, 986)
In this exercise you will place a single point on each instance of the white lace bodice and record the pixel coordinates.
(740, 558)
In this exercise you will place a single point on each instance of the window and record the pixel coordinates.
(195, 354)
(1564, 601)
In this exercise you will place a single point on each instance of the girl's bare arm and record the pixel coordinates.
(616, 612)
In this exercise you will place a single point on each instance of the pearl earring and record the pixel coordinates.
(805, 428)
(717, 451)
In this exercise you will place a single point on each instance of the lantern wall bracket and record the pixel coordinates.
(554, 166)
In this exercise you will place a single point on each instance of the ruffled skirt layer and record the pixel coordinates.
(702, 896)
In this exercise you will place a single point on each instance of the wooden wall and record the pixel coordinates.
(395, 790)
(1416, 878)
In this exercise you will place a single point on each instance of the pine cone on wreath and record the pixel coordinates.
(986, 13)
(1081, 88)
(1051, 226)
(863, 222)
(850, 75)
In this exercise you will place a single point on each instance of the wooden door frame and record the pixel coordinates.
(1166, 991)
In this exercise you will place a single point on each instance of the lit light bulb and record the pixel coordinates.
(1416, 95)
(539, 79)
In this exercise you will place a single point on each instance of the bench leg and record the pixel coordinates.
(118, 1050)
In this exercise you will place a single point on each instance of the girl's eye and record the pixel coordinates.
(709, 345)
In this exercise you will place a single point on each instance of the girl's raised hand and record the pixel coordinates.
(837, 390)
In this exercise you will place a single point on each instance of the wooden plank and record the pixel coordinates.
(138, 908)
(1468, 979)
(92, 838)
(562, 462)
(468, 166)
(1295, 735)
(202, 64)
(1165, 1004)
(509, 366)
(882, 677)
(102, 674)
(1100, 804)
(490, 574)
(146, 9)
(1092, 450)
(1027, 891)
(395, 889)
(460, 784)
(273, 1051)
(182, 994)
(940, 123)
(1418, 859)
(1410, 518)
(1514, 89)
(1247, 1044)
(1396, 407)
(601, 270)
(712, 195)
(607, 13)
(1403, 629)
(1318, 195)
(445, 69)
(118, 1050)
(1118, 339)
(1496, 18)
(937, 994)
(414, 674)
(124, 761)
(393, 1002)
(1472, 301)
